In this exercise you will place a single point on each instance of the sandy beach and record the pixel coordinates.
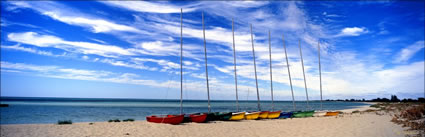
(346, 125)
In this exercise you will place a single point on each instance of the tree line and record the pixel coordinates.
(393, 98)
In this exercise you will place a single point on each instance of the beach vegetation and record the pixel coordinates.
(375, 105)
(356, 111)
(369, 110)
(114, 120)
(412, 116)
(128, 120)
(63, 122)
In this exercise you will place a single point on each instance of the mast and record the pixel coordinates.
(206, 64)
(234, 62)
(289, 73)
(181, 61)
(271, 72)
(305, 83)
(255, 70)
(320, 74)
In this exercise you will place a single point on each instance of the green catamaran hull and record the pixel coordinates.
(225, 116)
(301, 114)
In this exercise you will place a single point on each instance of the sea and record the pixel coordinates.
(37, 110)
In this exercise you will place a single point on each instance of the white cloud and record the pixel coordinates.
(33, 38)
(127, 64)
(406, 53)
(27, 67)
(85, 57)
(79, 74)
(353, 31)
(166, 65)
(100, 41)
(73, 17)
(152, 7)
(30, 50)
(96, 25)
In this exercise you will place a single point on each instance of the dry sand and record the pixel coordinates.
(347, 125)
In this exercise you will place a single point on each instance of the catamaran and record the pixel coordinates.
(273, 114)
(288, 114)
(255, 115)
(202, 117)
(174, 119)
(237, 115)
(321, 112)
(211, 115)
(303, 113)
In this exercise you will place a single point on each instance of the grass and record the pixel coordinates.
(64, 122)
(375, 105)
(356, 111)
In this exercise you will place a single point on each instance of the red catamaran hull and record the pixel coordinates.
(167, 119)
(198, 118)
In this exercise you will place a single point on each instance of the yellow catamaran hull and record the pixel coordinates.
(273, 115)
(238, 116)
(252, 115)
(263, 115)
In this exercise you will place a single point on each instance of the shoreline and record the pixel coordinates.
(360, 108)
(348, 110)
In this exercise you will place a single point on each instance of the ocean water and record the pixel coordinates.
(50, 110)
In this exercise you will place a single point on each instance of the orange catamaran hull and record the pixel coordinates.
(273, 114)
(332, 113)
(263, 114)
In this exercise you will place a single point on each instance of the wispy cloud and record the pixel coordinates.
(18, 47)
(113, 77)
(151, 7)
(64, 14)
(96, 25)
(406, 53)
(79, 74)
(39, 40)
(127, 64)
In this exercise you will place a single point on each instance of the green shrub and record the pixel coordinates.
(128, 120)
(63, 122)
(114, 120)
(356, 111)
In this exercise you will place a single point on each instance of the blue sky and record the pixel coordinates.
(130, 49)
